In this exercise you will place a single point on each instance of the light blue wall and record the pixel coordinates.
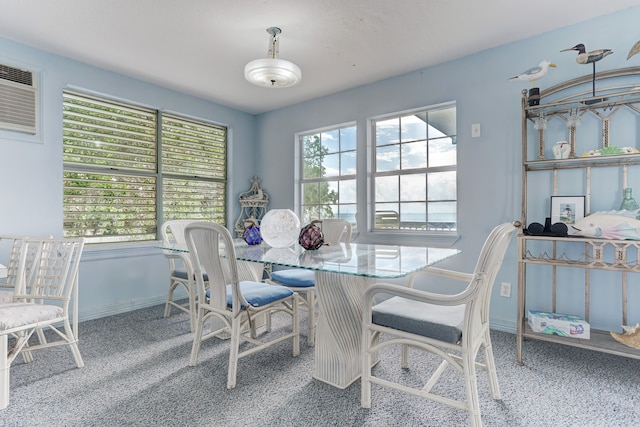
(489, 170)
(114, 279)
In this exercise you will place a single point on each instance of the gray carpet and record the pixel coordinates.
(136, 374)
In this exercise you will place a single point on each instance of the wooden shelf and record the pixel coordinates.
(600, 341)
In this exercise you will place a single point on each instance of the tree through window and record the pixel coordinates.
(328, 176)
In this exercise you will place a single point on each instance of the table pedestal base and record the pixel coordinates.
(337, 350)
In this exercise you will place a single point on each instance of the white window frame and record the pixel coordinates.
(443, 231)
(194, 179)
(301, 180)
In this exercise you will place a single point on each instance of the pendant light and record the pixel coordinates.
(272, 71)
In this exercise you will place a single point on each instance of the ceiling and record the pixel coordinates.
(200, 47)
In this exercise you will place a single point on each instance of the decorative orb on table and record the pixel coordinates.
(280, 228)
(251, 233)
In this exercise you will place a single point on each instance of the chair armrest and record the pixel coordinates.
(441, 272)
(420, 295)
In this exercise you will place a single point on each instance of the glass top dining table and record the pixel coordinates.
(343, 272)
(357, 259)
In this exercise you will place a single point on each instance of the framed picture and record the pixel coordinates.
(567, 209)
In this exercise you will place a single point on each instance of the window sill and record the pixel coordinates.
(102, 251)
(413, 239)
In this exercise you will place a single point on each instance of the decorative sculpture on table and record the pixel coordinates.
(531, 75)
(251, 233)
(280, 228)
(253, 204)
(311, 236)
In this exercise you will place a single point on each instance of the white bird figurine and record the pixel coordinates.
(534, 73)
(585, 57)
(634, 49)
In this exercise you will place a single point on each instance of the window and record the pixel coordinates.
(123, 175)
(328, 174)
(414, 170)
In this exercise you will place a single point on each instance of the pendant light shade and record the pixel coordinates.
(272, 71)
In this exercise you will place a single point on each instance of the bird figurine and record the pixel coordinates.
(634, 49)
(592, 57)
(534, 73)
(585, 57)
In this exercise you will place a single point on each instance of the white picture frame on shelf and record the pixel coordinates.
(567, 209)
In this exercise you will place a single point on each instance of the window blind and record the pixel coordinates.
(115, 188)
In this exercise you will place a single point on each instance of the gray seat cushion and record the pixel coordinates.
(434, 321)
(257, 294)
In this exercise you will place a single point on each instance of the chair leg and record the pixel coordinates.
(167, 306)
(192, 306)
(404, 357)
(73, 344)
(4, 372)
(268, 322)
(471, 386)
(236, 324)
(197, 340)
(27, 355)
(295, 320)
(311, 302)
(494, 386)
(365, 381)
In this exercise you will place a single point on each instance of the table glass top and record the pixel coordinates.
(378, 261)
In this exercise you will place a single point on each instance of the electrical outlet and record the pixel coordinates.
(505, 290)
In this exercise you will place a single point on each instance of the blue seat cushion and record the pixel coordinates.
(439, 322)
(258, 294)
(182, 274)
(295, 277)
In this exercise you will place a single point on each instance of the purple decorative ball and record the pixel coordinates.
(252, 235)
(311, 237)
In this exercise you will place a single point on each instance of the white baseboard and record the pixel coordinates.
(503, 325)
(111, 309)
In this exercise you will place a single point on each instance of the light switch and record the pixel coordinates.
(475, 130)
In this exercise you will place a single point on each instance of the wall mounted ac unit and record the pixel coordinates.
(18, 99)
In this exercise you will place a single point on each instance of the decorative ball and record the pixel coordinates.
(311, 237)
(251, 235)
(279, 228)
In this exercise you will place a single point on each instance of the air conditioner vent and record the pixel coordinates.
(18, 99)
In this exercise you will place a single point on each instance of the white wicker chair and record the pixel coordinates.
(303, 282)
(180, 270)
(6, 288)
(231, 306)
(42, 299)
(14, 244)
(451, 326)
